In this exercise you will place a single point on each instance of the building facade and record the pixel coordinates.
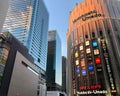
(54, 62)
(27, 20)
(64, 60)
(16, 67)
(3, 11)
(93, 43)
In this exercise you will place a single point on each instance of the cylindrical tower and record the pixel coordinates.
(93, 43)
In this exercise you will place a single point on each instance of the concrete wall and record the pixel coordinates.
(24, 82)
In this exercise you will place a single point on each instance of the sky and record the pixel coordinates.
(58, 18)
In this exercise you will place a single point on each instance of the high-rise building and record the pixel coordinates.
(27, 20)
(17, 67)
(3, 11)
(54, 62)
(64, 60)
(93, 43)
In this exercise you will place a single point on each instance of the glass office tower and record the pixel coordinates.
(93, 43)
(27, 20)
(3, 11)
(54, 62)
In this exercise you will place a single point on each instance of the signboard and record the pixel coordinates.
(89, 15)
(92, 92)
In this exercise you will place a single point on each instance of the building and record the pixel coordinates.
(64, 73)
(93, 43)
(56, 93)
(27, 20)
(18, 74)
(54, 62)
(3, 11)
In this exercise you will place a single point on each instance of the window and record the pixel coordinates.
(39, 60)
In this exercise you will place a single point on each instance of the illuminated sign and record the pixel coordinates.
(87, 43)
(81, 47)
(91, 87)
(92, 92)
(96, 52)
(107, 60)
(88, 50)
(94, 43)
(89, 15)
(82, 62)
(84, 72)
(97, 60)
(90, 68)
(77, 62)
(76, 54)
(77, 70)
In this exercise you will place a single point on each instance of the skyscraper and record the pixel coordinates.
(64, 60)
(16, 67)
(93, 43)
(27, 20)
(3, 11)
(54, 62)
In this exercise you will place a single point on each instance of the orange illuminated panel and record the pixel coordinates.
(98, 60)
(82, 62)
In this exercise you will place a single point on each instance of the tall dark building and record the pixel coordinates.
(64, 73)
(54, 62)
(18, 74)
(93, 43)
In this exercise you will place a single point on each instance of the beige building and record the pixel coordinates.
(93, 43)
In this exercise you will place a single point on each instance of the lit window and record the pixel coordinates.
(88, 50)
(87, 43)
(84, 72)
(90, 68)
(97, 60)
(81, 47)
(94, 43)
(82, 62)
(96, 52)
(76, 54)
(77, 62)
